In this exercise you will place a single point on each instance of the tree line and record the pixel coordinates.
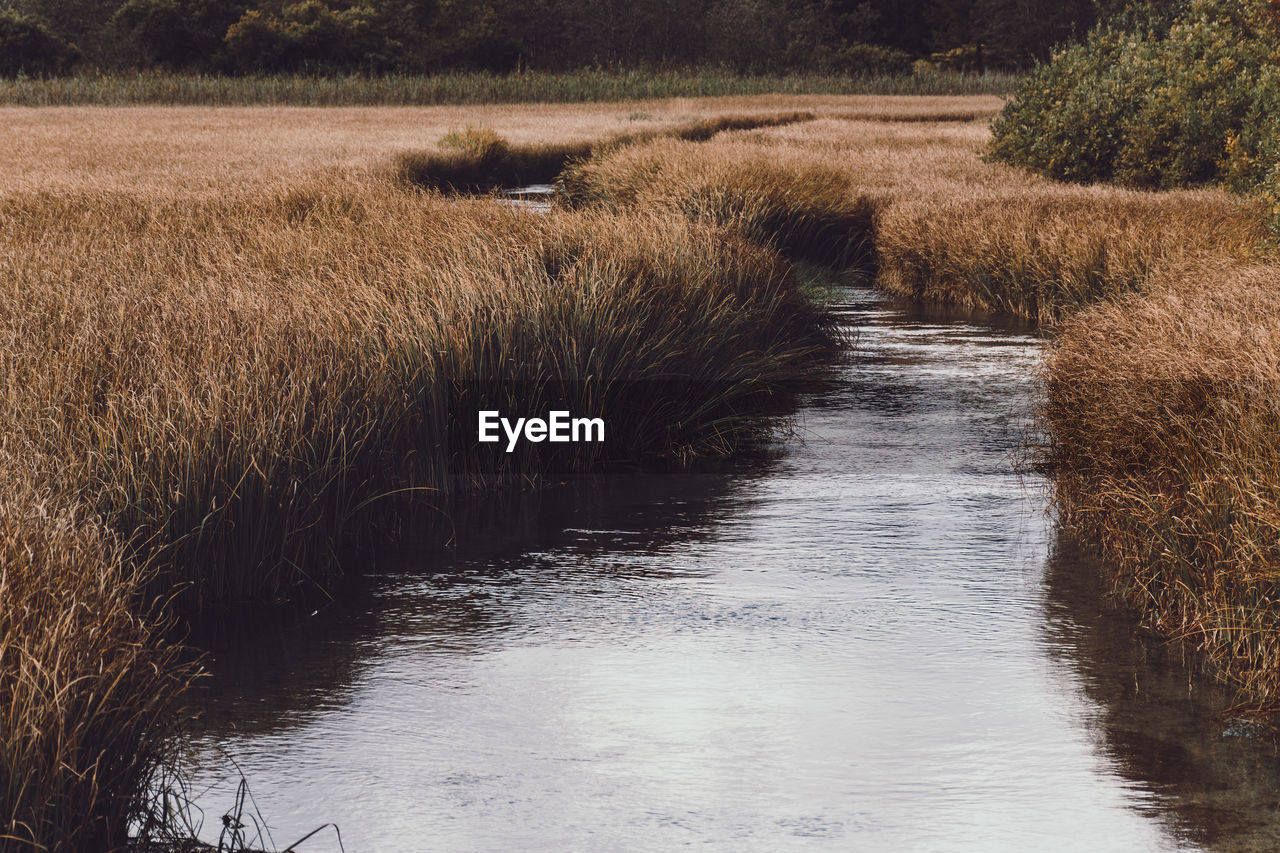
(424, 36)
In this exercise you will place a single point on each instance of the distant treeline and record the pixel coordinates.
(49, 37)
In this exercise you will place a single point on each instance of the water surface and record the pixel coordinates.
(873, 639)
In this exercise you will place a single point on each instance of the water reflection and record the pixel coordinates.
(1212, 776)
(862, 642)
(447, 587)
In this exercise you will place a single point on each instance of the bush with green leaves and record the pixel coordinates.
(859, 58)
(311, 36)
(1151, 105)
(27, 47)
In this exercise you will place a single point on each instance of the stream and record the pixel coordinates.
(871, 638)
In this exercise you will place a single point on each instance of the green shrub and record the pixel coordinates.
(310, 36)
(859, 58)
(27, 47)
(1150, 106)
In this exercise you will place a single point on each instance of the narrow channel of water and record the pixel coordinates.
(871, 640)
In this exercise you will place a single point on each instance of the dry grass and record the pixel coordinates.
(1161, 415)
(87, 691)
(229, 339)
(1163, 422)
(803, 207)
(222, 386)
(478, 159)
(200, 151)
(945, 225)
(243, 374)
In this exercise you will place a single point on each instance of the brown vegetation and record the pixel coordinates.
(478, 159)
(225, 336)
(1164, 443)
(87, 691)
(206, 393)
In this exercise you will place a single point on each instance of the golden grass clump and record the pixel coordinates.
(1045, 251)
(87, 692)
(801, 206)
(1163, 437)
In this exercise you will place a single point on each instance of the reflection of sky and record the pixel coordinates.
(847, 651)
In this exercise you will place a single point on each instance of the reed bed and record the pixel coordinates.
(1046, 252)
(245, 374)
(1163, 436)
(585, 85)
(88, 690)
(939, 222)
(801, 207)
(478, 159)
(1160, 418)
(206, 152)
(232, 341)
(238, 388)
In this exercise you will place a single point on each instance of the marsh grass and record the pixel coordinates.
(249, 374)
(1046, 252)
(802, 207)
(241, 387)
(472, 88)
(1163, 436)
(215, 377)
(88, 690)
(477, 159)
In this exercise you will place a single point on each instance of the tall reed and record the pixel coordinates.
(1046, 251)
(246, 374)
(88, 692)
(801, 206)
(1163, 436)
(472, 88)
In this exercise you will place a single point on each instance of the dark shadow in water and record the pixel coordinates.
(271, 671)
(1165, 724)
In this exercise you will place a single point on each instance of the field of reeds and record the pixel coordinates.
(480, 88)
(236, 341)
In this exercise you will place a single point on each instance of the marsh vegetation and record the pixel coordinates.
(234, 344)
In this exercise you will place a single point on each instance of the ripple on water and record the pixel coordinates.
(873, 639)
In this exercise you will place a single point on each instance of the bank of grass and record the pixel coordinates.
(1163, 308)
(248, 373)
(473, 88)
(801, 206)
(1045, 252)
(1163, 419)
(477, 159)
(212, 398)
(88, 690)
(939, 224)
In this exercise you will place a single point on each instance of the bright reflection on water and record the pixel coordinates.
(870, 640)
